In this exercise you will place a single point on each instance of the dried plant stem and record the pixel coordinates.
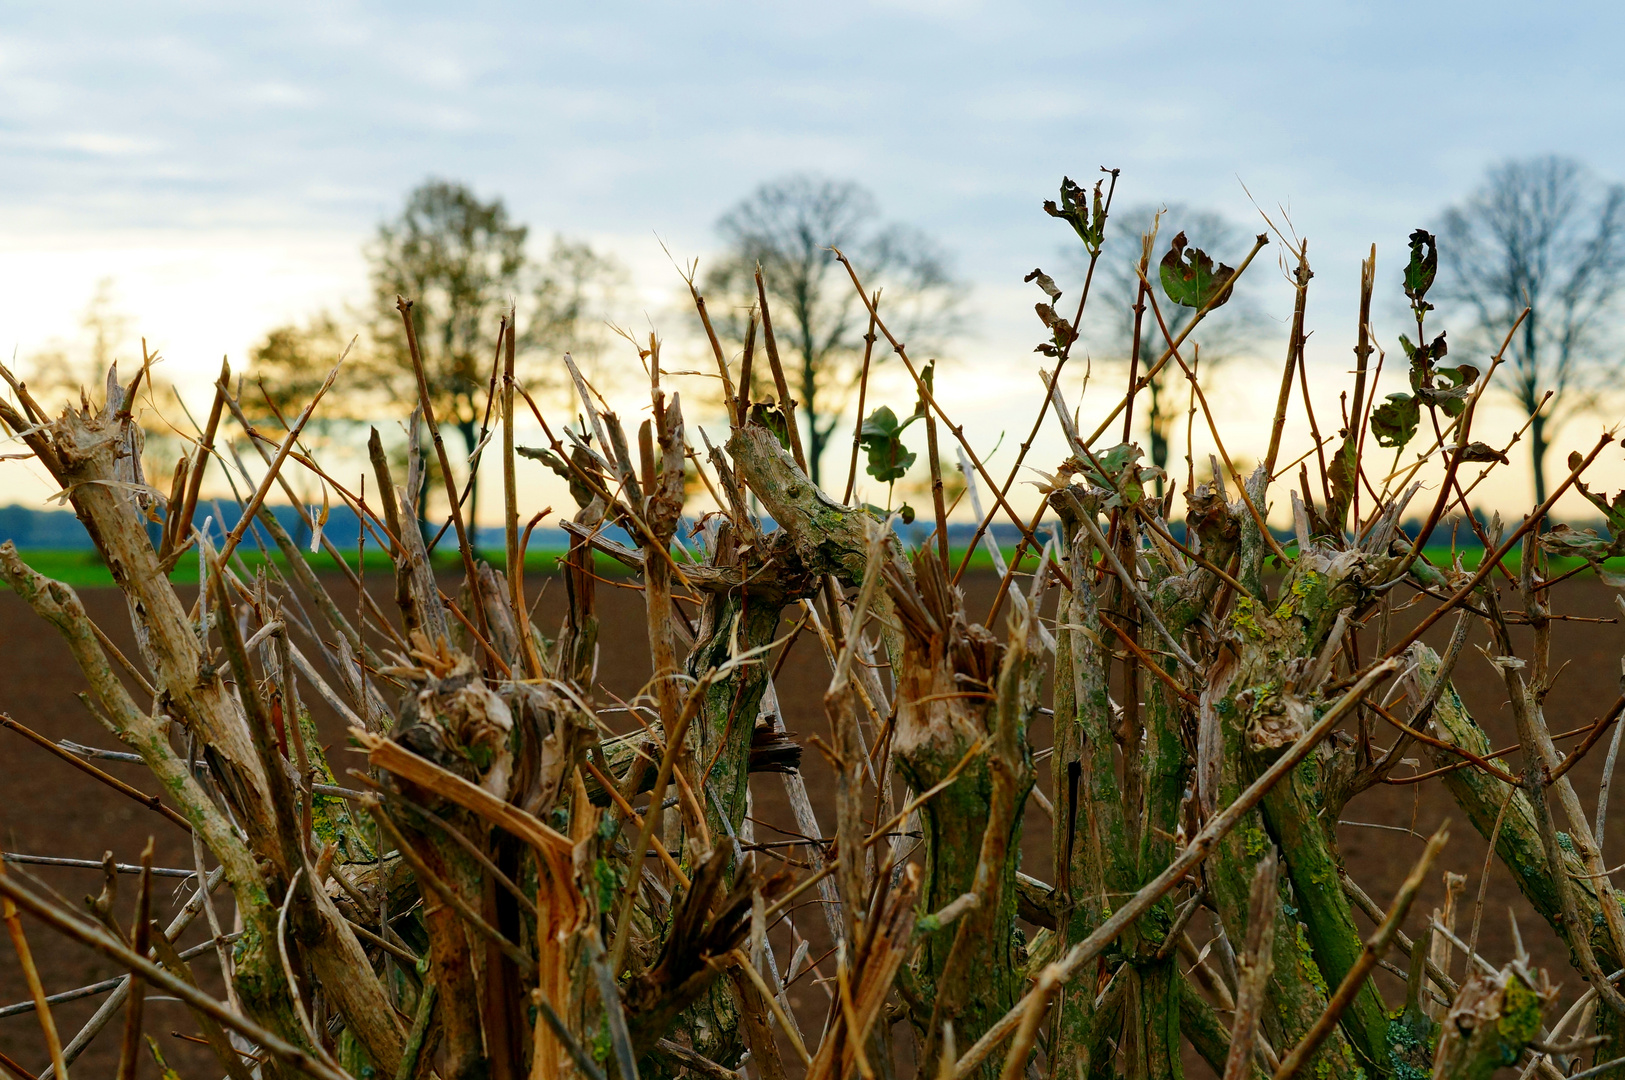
(1463, 425)
(1362, 359)
(1573, 757)
(99, 940)
(1492, 560)
(930, 400)
(225, 1053)
(938, 505)
(1451, 748)
(1376, 945)
(257, 500)
(1173, 344)
(841, 710)
(25, 960)
(12, 1070)
(120, 986)
(668, 760)
(1213, 429)
(510, 512)
(790, 1030)
(829, 868)
(1294, 354)
(1254, 970)
(1132, 588)
(130, 1046)
(123, 662)
(806, 819)
(636, 819)
(1607, 782)
(182, 528)
(863, 394)
(1021, 1047)
(780, 384)
(425, 400)
(92, 989)
(1198, 849)
(457, 837)
(1149, 662)
(296, 563)
(1043, 406)
(728, 393)
(446, 891)
(392, 757)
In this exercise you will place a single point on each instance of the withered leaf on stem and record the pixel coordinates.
(1190, 278)
(1045, 282)
(1422, 268)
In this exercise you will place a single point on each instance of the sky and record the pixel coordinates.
(224, 164)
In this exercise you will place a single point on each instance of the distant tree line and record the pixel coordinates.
(1540, 233)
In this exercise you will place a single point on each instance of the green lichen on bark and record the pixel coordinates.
(1493, 1020)
(961, 696)
(1518, 845)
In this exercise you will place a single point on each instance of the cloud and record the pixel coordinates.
(299, 126)
(281, 94)
(106, 144)
(99, 144)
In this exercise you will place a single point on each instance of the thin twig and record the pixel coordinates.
(151, 802)
(25, 959)
(98, 939)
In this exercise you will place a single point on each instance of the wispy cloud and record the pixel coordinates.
(618, 119)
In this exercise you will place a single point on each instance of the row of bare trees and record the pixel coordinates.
(1542, 233)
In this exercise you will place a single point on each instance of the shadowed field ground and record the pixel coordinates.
(47, 807)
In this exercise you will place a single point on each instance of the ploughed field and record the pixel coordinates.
(49, 808)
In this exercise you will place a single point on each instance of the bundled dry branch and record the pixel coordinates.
(508, 890)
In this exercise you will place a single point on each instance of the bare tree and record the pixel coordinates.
(1543, 233)
(462, 262)
(1227, 332)
(576, 289)
(567, 310)
(788, 227)
(62, 367)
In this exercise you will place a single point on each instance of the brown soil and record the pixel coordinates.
(47, 807)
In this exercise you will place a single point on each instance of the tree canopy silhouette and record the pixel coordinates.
(463, 263)
(787, 227)
(1543, 233)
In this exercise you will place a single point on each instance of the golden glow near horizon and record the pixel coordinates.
(203, 299)
(225, 169)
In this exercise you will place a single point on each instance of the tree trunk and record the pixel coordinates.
(1538, 446)
(1158, 421)
(816, 440)
(471, 519)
